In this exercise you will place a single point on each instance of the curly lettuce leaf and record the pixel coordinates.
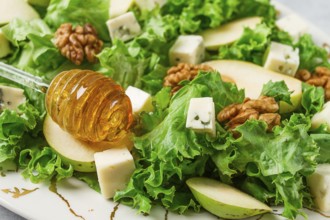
(34, 51)
(275, 162)
(171, 153)
(312, 99)
(278, 90)
(250, 47)
(311, 55)
(323, 141)
(43, 164)
(95, 12)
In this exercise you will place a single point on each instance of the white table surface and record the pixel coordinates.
(316, 11)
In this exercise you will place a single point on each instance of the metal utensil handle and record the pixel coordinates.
(23, 78)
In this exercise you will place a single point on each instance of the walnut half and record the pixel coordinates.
(182, 71)
(77, 43)
(320, 77)
(264, 108)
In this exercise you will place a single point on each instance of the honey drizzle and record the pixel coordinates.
(53, 188)
(113, 213)
(166, 214)
(17, 193)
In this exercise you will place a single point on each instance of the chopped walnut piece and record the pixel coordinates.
(271, 119)
(320, 77)
(322, 71)
(243, 116)
(264, 108)
(183, 71)
(262, 105)
(228, 112)
(77, 43)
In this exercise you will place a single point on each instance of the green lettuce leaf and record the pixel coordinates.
(250, 47)
(278, 90)
(170, 153)
(311, 55)
(95, 12)
(34, 51)
(312, 99)
(275, 162)
(323, 141)
(42, 164)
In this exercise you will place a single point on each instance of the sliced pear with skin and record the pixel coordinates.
(252, 78)
(228, 33)
(225, 201)
(11, 9)
(79, 154)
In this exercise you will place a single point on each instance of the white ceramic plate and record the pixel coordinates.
(75, 200)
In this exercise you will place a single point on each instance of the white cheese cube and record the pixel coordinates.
(4, 45)
(282, 58)
(11, 97)
(292, 24)
(187, 49)
(114, 168)
(201, 115)
(322, 117)
(319, 183)
(124, 27)
(141, 100)
(119, 7)
(149, 4)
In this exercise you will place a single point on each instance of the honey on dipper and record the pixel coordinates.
(89, 105)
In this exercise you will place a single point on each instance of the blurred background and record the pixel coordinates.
(316, 11)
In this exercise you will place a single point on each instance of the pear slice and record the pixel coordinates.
(79, 154)
(4, 45)
(12, 9)
(223, 200)
(322, 117)
(228, 33)
(252, 77)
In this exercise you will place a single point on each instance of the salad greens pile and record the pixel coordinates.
(271, 166)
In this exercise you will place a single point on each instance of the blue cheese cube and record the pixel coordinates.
(292, 24)
(201, 115)
(319, 183)
(187, 49)
(149, 4)
(282, 58)
(11, 97)
(114, 168)
(141, 100)
(124, 27)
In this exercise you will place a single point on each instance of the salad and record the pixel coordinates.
(271, 164)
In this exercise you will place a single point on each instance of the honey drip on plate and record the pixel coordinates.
(113, 213)
(53, 188)
(17, 193)
(89, 105)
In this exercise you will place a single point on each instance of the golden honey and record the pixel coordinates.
(89, 105)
